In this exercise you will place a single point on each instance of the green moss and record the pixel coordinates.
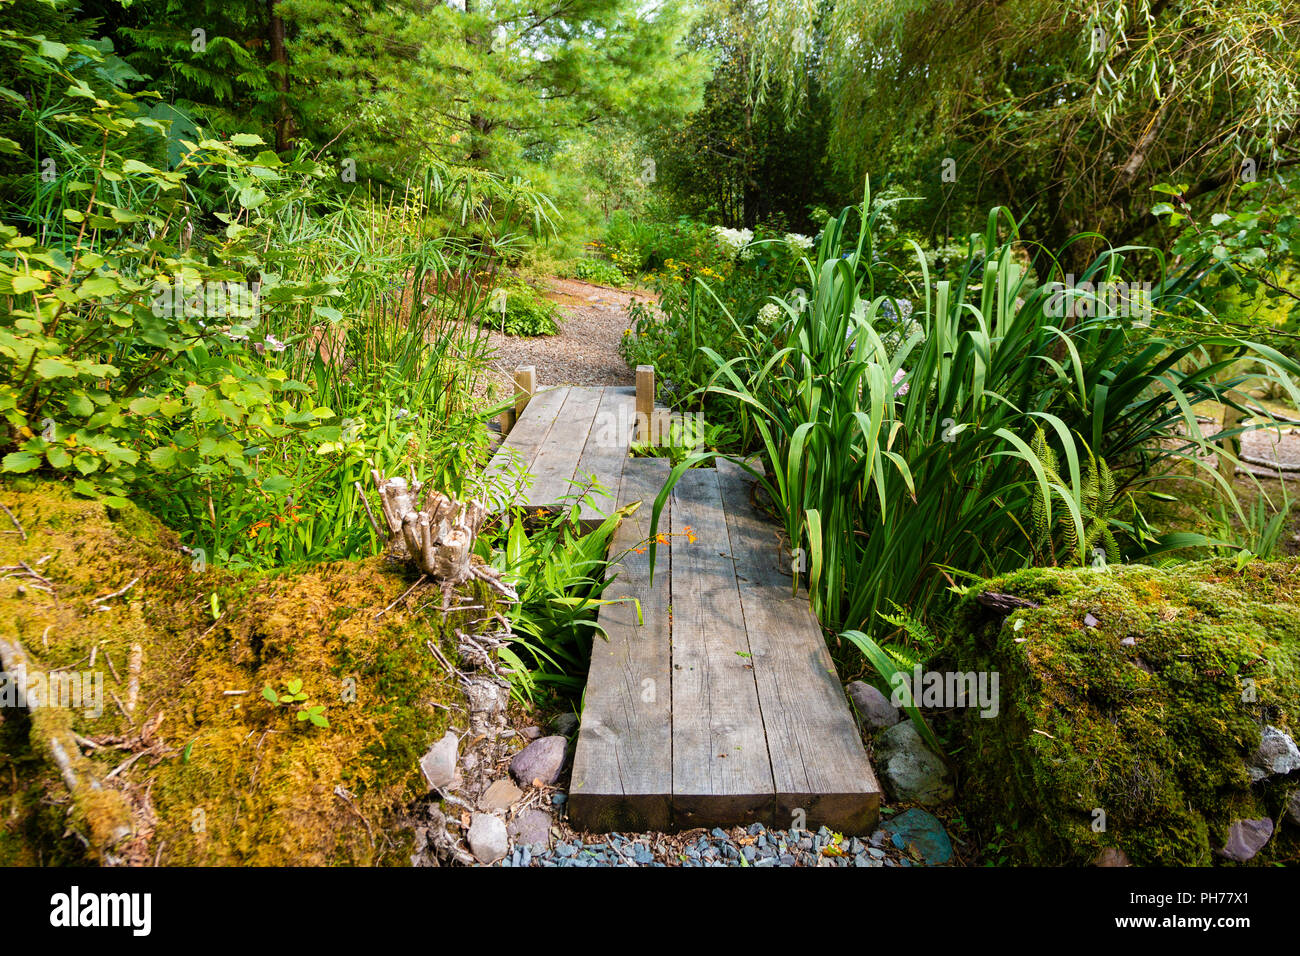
(1155, 733)
(234, 779)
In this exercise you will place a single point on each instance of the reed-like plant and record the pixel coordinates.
(889, 464)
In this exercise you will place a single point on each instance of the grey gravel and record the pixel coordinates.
(718, 847)
(592, 320)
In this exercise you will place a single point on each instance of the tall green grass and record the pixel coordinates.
(898, 469)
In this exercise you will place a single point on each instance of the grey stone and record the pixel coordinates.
(919, 831)
(500, 795)
(1246, 838)
(912, 771)
(487, 837)
(531, 828)
(530, 733)
(1277, 754)
(541, 760)
(1293, 808)
(873, 706)
(565, 724)
(439, 764)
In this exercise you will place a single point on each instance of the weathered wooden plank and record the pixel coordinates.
(820, 770)
(607, 450)
(521, 445)
(721, 771)
(622, 768)
(557, 459)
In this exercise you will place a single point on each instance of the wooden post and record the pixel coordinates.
(645, 401)
(525, 387)
(507, 421)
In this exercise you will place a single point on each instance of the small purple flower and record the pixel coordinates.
(906, 386)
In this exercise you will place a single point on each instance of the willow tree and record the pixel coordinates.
(1067, 110)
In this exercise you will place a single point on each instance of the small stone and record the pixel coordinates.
(530, 733)
(1112, 856)
(487, 838)
(1129, 642)
(541, 760)
(872, 706)
(558, 799)
(922, 832)
(499, 796)
(439, 764)
(1090, 621)
(718, 833)
(912, 771)
(565, 724)
(1246, 838)
(1277, 755)
(1293, 808)
(531, 828)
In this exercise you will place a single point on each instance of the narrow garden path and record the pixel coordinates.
(592, 319)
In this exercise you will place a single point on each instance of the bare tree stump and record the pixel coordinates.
(436, 534)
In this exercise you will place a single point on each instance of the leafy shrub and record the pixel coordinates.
(559, 574)
(598, 271)
(244, 421)
(516, 308)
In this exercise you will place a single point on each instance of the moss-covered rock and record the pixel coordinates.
(1138, 692)
(228, 777)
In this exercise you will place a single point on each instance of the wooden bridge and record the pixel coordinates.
(722, 706)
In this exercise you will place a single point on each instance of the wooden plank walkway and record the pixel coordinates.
(722, 706)
(566, 439)
(757, 728)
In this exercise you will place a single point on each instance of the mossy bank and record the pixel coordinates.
(208, 769)
(1132, 701)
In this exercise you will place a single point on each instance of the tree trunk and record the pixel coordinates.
(280, 62)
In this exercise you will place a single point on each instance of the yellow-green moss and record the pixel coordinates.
(1156, 734)
(243, 782)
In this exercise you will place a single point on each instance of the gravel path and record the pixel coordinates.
(592, 319)
(756, 846)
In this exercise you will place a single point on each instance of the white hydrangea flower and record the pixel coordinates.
(798, 242)
(737, 239)
(770, 312)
